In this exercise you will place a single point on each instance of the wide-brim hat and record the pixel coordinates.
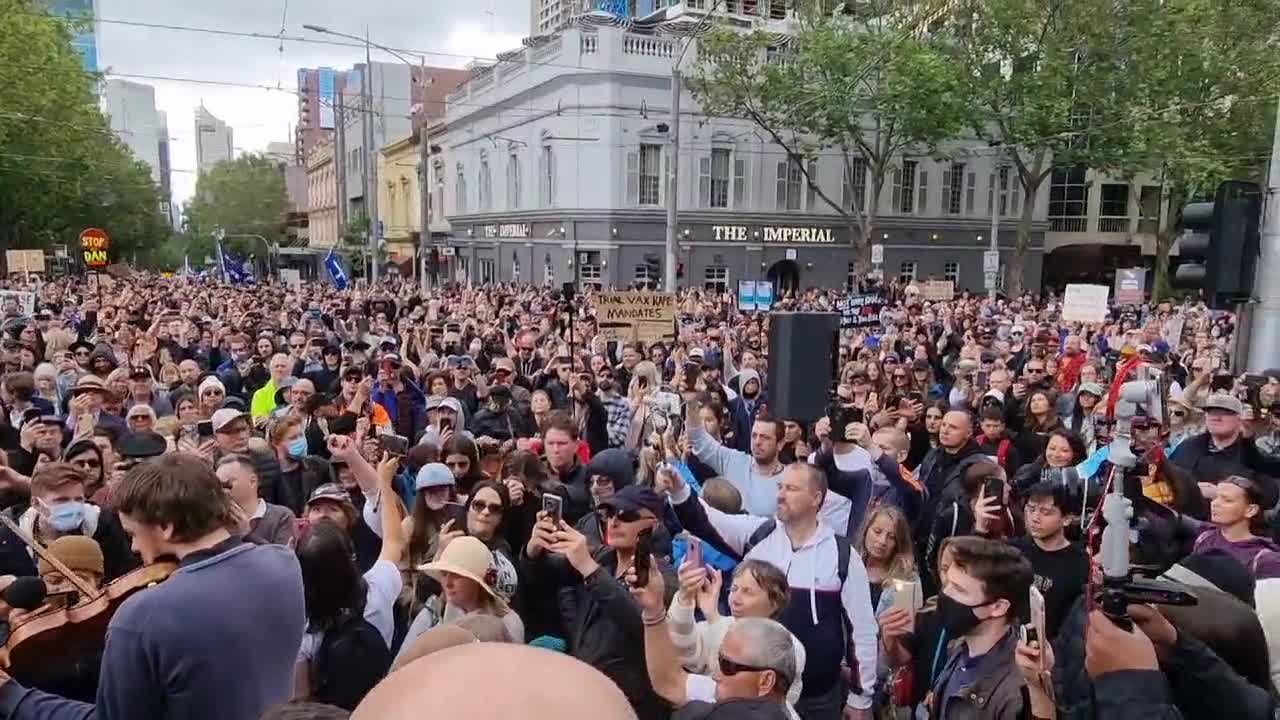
(470, 558)
(89, 384)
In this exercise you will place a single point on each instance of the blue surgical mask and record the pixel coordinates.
(298, 448)
(66, 516)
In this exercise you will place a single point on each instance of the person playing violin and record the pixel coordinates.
(78, 678)
(58, 509)
(202, 644)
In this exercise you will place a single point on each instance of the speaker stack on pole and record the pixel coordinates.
(801, 347)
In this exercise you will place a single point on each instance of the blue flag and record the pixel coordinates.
(336, 273)
(235, 269)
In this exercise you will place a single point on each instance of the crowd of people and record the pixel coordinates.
(307, 502)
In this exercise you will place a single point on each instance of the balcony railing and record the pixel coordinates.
(1067, 224)
(652, 47)
(590, 43)
(1113, 224)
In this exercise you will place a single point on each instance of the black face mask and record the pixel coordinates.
(957, 618)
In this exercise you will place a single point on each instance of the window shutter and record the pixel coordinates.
(782, 186)
(969, 192)
(633, 178)
(704, 182)
(739, 181)
(811, 197)
(897, 190)
(922, 201)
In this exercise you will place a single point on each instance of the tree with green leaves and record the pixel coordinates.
(863, 88)
(241, 197)
(1048, 84)
(1209, 76)
(61, 168)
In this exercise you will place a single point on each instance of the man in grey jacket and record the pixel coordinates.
(266, 523)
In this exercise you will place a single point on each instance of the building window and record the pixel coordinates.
(713, 179)
(515, 269)
(855, 185)
(739, 182)
(953, 197)
(547, 177)
(644, 178)
(851, 278)
(907, 272)
(1010, 190)
(646, 276)
(811, 195)
(951, 271)
(1068, 200)
(486, 187)
(716, 279)
(1149, 209)
(591, 274)
(905, 200)
(788, 197)
(488, 271)
(460, 197)
(513, 180)
(1113, 215)
(437, 193)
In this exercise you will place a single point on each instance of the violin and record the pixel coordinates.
(54, 637)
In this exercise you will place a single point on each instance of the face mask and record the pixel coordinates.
(298, 448)
(66, 516)
(957, 618)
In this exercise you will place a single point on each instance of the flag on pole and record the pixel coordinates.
(234, 269)
(334, 265)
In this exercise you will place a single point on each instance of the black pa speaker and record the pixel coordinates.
(800, 349)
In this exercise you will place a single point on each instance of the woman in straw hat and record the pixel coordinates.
(467, 572)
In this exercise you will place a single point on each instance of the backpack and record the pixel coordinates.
(352, 658)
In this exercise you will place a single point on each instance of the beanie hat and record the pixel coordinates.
(78, 553)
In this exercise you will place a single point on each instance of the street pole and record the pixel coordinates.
(424, 187)
(370, 168)
(673, 183)
(1264, 343)
(995, 226)
(340, 166)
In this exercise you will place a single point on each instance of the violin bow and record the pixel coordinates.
(86, 590)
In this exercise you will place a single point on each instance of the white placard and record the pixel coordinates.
(291, 278)
(991, 261)
(877, 254)
(1085, 303)
(25, 301)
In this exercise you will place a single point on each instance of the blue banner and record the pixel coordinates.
(764, 295)
(235, 269)
(334, 265)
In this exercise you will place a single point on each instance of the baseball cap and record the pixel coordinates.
(1094, 389)
(225, 417)
(635, 497)
(139, 372)
(331, 492)
(434, 475)
(391, 359)
(504, 363)
(140, 445)
(1223, 401)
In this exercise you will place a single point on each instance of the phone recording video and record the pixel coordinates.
(204, 429)
(457, 512)
(397, 445)
(553, 506)
(644, 549)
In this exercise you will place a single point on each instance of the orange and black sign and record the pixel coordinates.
(95, 243)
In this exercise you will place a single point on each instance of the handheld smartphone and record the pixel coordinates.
(446, 424)
(204, 429)
(691, 373)
(904, 594)
(694, 557)
(644, 549)
(1222, 382)
(397, 445)
(982, 380)
(1253, 387)
(553, 506)
(994, 488)
(1036, 604)
(457, 512)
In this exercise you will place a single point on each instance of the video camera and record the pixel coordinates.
(1128, 514)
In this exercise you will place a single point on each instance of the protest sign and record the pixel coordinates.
(1085, 303)
(857, 311)
(24, 261)
(938, 290)
(631, 316)
(25, 302)
(1131, 284)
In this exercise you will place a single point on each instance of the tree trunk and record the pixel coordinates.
(1161, 283)
(1014, 287)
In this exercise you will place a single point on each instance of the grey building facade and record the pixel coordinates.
(555, 170)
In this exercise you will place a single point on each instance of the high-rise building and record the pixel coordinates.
(318, 90)
(131, 110)
(214, 141)
(85, 33)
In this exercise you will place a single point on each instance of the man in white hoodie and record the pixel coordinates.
(830, 608)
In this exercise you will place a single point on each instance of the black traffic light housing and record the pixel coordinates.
(1218, 251)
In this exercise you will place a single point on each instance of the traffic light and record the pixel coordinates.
(1218, 251)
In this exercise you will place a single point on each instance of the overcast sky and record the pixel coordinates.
(477, 28)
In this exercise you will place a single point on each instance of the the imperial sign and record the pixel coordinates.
(95, 243)
(510, 230)
(800, 235)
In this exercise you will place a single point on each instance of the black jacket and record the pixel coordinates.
(1195, 455)
(506, 425)
(118, 557)
(940, 472)
(602, 623)
(597, 425)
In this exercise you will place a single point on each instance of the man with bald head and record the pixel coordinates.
(533, 683)
(188, 381)
(942, 469)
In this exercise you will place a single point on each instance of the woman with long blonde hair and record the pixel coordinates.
(886, 550)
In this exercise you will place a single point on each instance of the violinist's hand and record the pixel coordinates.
(5, 582)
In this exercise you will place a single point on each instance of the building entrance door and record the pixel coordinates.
(785, 276)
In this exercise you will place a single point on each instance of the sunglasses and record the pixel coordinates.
(87, 464)
(296, 347)
(458, 463)
(729, 668)
(626, 516)
(480, 506)
(1178, 413)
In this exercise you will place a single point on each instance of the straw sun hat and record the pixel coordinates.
(467, 557)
